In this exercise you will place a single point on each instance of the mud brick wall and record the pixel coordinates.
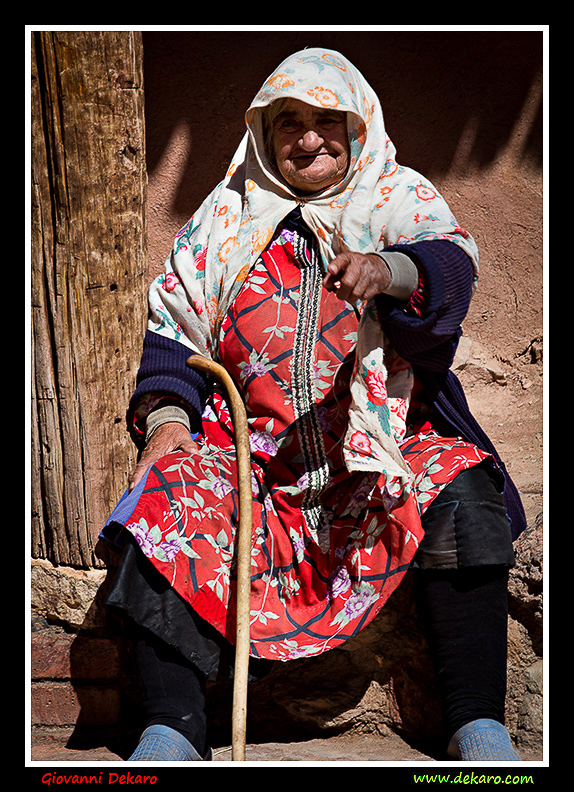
(77, 682)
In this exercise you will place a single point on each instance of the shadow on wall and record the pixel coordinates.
(436, 88)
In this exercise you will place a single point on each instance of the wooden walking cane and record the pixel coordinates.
(243, 543)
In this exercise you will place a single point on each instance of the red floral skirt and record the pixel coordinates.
(328, 547)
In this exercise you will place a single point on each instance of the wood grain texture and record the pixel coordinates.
(88, 281)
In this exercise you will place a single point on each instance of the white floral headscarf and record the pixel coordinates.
(378, 203)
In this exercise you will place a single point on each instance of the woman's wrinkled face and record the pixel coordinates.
(311, 146)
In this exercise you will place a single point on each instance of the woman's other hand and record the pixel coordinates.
(167, 438)
(355, 277)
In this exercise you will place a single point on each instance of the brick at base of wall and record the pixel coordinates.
(68, 703)
(77, 680)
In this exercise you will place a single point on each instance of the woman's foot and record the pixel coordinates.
(161, 744)
(483, 740)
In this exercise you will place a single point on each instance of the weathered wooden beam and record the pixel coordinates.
(88, 281)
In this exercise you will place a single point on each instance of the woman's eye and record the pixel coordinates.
(286, 125)
(331, 121)
(290, 125)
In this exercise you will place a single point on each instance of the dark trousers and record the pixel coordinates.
(463, 609)
(173, 691)
(464, 614)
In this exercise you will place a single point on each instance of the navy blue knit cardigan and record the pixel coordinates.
(427, 342)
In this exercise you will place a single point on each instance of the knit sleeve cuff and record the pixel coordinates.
(165, 376)
(429, 337)
(171, 413)
(404, 275)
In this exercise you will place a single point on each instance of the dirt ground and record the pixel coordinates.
(343, 748)
(359, 748)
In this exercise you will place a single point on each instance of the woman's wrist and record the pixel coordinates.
(404, 274)
(170, 413)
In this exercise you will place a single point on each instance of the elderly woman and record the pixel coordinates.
(331, 283)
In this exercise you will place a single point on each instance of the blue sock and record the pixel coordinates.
(483, 740)
(161, 744)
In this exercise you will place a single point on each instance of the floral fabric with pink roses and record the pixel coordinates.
(329, 545)
(380, 388)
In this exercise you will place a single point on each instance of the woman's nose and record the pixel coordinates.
(310, 140)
